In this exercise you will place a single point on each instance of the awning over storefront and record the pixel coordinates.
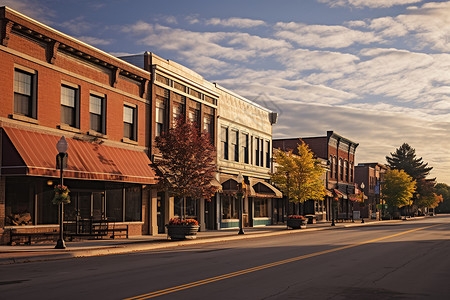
(328, 193)
(33, 153)
(339, 194)
(261, 189)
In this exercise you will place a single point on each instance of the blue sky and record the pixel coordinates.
(374, 71)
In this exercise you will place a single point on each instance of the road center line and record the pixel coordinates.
(262, 267)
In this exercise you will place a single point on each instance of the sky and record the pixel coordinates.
(374, 71)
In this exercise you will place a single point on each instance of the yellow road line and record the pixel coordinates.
(262, 267)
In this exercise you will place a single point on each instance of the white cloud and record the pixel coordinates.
(323, 36)
(94, 41)
(33, 9)
(235, 22)
(368, 3)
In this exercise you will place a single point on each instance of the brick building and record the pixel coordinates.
(54, 85)
(371, 174)
(339, 154)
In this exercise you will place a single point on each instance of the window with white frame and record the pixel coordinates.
(69, 105)
(129, 122)
(25, 93)
(160, 120)
(97, 113)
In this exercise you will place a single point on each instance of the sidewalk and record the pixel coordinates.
(44, 252)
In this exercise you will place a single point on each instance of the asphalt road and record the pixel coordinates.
(408, 260)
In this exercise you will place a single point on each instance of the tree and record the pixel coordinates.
(188, 161)
(299, 176)
(404, 158)
(443, 190)
(398, 189)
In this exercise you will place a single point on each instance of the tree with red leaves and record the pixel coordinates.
(188, 161)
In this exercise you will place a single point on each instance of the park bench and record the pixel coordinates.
(22, 236)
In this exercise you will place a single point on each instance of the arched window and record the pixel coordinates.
(351, 172)
(335, 167)
(341, 169)
(331, 165)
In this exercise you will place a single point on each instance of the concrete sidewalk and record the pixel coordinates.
(43, 252)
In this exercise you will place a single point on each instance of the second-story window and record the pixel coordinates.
(267, 154)
(178, 107)
(341, 169)
(331, 166)
(347, 173)
(257, 151)
(24, 93)
(245, 147)
(208, 126)
(335, 167)
(224, 142)
(97, 112)
(261, 153)
(235, 144)
(160, 120)
(69, 106)
(129, 123)
(351, 172)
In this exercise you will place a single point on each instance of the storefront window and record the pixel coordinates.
(230, 206)
(261, 209)
(133, 203)
(114, 204)
(19, 206)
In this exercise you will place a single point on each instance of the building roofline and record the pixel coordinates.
(241, 97)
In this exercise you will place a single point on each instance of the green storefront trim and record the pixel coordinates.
(262, 221)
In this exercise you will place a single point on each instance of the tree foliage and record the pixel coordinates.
(398, 188)
(443, 190)
(188, 161)
(404, 158)
(299, 176)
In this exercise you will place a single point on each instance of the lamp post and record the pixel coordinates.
(362, 189)
(240, 195)
(61, 146)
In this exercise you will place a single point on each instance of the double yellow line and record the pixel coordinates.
(262, 267)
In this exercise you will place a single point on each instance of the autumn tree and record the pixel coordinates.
(299, 176)
(443, 190)
(398, 189)
(188, 161)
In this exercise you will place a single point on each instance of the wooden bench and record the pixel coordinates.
(98, 229)
(22, 237)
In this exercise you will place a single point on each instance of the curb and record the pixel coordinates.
(145, 246)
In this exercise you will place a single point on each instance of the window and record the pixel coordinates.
(160, 116)
(224, 142)
(267, 154)
(261, 153)
(24, 93)
(230, 207)
(261, 208)
(245, 147)
(351, 172)
(178, 108)
(129, 122)
(194, 115)
(257, 152)
(179, 86)
(195, 93)
(69, 106)
(331, 161)
(335, 167)
(341, 169)
(162, 79)
(347, 173)
(235, 144)
(208, 126)
(97, 110)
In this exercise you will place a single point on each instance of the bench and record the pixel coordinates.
(98, 229)
(22, 237)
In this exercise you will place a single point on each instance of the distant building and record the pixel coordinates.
(339, 154)
(371, 174)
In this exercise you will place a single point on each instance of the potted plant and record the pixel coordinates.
(61, 194)
(181, 229)
(297, 221)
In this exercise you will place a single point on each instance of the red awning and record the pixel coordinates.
(34, 153)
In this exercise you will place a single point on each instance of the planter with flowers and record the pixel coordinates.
(61, 195)
(297, 222)
(179, 229)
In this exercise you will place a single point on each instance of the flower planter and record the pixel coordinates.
(182, 232)
(297, 223)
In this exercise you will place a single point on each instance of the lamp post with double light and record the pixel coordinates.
(61, 157)
(240, 196)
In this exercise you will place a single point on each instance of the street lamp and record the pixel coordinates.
(240, 195)
(61, 146)
(362, 189)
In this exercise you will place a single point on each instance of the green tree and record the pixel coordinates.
(404, 158)
(398, 189)
(299, 175)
